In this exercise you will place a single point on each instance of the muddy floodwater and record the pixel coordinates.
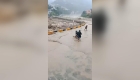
(69, 59)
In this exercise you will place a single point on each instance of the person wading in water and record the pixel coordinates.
(86, 27)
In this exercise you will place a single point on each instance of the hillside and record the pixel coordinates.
(77, 6)
(57, 10)
(67, 7)
(87, 14)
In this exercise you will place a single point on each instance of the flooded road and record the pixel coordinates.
(69, 59)
(118, 57)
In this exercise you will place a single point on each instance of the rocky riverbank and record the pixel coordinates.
(56, 23)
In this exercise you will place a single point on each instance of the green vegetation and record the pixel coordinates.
(84, 14)
(57, 11)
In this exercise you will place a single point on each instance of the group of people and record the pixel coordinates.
(78, 33)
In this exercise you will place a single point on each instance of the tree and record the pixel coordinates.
(84, 14)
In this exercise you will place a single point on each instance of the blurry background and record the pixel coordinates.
(69, 8)
(23, 40)
(16, 8)
(116, 43)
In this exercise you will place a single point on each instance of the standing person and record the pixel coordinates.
(85, 28)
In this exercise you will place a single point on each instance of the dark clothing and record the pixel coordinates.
(86, 27)
(76, 34)
(79, 34)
